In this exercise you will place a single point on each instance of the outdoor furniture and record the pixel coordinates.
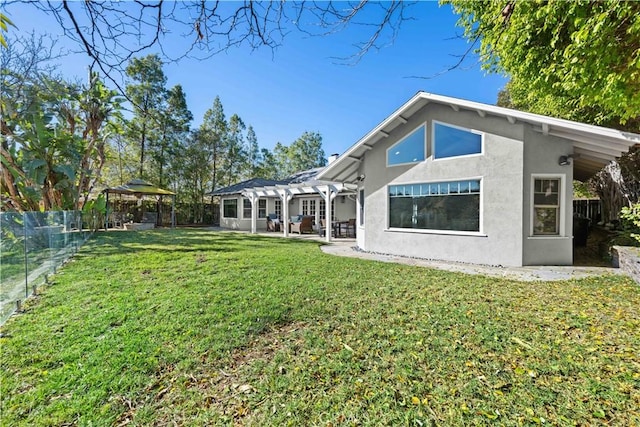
(351, 227)
(117, 219)
(273, 223)
(304, 226)
(338, 226)
(323, 227)
(150, 218)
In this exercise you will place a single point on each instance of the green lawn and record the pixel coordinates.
(205, 328)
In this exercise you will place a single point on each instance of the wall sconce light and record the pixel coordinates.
(360, 178)
(565, 160)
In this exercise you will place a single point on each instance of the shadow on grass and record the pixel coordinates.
(184, 240)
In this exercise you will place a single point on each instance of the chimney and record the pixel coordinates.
(333, 157)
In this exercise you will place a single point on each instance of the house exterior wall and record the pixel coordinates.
(511, 154)
(541, 154)
(243, 223)
(344, 210)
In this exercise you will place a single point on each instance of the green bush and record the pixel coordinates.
(630, 217)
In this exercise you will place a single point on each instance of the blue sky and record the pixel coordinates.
(301, 87)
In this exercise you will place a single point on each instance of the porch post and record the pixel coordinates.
(253, 198)
(285, 196)
(106, 213)
(173, 211)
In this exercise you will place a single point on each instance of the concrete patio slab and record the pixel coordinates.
(534, 273)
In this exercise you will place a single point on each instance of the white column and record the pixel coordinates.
(328, 194)
(253, 198)
(327, 214)
(285, 196)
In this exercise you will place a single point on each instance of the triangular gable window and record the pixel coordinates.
(410, 149)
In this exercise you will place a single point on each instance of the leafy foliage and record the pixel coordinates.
(54, 132)
(631, 216)
(585, 52)
(4, 27)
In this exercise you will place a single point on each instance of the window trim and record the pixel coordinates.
(361, 200)
(433, 141)
(277, 208)
(308, 206)
(422, 125)
(480, 231)
(244, 207)
(224, 202)
(561, 206)
(262, 210)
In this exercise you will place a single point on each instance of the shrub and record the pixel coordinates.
(631, 221)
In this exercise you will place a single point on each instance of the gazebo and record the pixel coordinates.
(139, 189)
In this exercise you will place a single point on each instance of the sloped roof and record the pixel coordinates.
(593, 146)
(250, 183)
(304, 176)
(139, 187)
(296, 178)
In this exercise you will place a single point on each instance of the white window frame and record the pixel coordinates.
(223, 210)
(422, 125)
(480, 232)
(262, 208)
(433, 141)
(244, 208)
(322, 209)
(277, 208)
(562, 209)
(308, 206)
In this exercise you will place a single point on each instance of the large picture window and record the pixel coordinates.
(230, 208)
(410, 149)
(451, 141)
(451, 205)
(546, 206)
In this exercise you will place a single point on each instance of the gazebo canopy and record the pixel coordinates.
(138, 187)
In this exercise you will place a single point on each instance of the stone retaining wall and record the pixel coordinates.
(627, 258)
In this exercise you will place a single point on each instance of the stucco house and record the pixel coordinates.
(246, 205)
(449, 179)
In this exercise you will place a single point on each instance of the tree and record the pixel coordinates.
(253, 153)
(53, 132)
(236, 154)
(268, 166)
(571, 56)
(306, 152)
(146, 91)
(212, 134)
(4, 27)
(192, 175)
(173, 126)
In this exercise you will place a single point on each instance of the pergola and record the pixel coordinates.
(139, 188)
(327, 191)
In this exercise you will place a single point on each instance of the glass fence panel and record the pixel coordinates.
(32, 246)
(12, 266)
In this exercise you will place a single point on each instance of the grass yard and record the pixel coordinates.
(192, 327)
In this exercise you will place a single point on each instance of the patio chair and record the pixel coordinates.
(273, 223)
(304, 226)
(322, 228)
